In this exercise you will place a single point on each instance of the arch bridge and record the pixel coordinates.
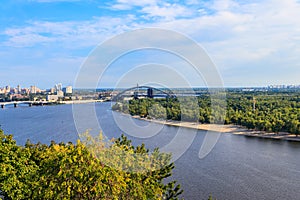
(143, 92)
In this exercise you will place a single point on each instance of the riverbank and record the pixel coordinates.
(46, 103)
(228, 128)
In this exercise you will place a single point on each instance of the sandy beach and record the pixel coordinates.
(234, 129)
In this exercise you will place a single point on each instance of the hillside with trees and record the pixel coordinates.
(89, 169)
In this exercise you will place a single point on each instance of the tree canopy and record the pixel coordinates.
(271, 112)
(85, 170)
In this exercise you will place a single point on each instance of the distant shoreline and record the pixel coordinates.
(228, 128)
(46, 103)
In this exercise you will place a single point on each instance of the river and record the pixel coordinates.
(238, 167)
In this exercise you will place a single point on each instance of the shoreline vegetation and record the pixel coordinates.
(274, 115)
(225, 128)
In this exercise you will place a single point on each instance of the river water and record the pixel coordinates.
(238, 167)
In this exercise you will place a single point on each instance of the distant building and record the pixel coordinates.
(13, 91)
(68, 90)
(76, 97)
(60, 93)
(33, 89)
(16, 96)
(52, 90)
(58, 87)
(247, 89)
(283, 86)
(25, 91)
(52, 98)
(19, 89)
(7, 89)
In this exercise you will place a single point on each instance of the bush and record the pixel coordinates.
(89, 169)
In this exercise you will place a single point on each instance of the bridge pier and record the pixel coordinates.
(136, 95)
(150, 93)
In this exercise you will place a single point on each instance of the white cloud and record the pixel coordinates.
(167, 11)
(132, 3)
(259, 28)
(153, 9)
(74, 34)
(121, 7)
(224, 5)
(254, 32)
(235, 33)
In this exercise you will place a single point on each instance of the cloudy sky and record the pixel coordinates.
(252, 43)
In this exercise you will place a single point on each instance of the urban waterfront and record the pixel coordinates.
(237, 168)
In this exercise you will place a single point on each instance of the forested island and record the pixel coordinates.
(272, 111)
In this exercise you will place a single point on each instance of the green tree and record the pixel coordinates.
(17, 170)
(157, 111)
(90, 169)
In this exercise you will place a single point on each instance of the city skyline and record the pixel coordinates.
(60, 86)
(32, 88)
(252, 43)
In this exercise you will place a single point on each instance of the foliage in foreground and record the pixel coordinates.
(72, 171)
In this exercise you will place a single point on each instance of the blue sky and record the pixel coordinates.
(252, 43)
